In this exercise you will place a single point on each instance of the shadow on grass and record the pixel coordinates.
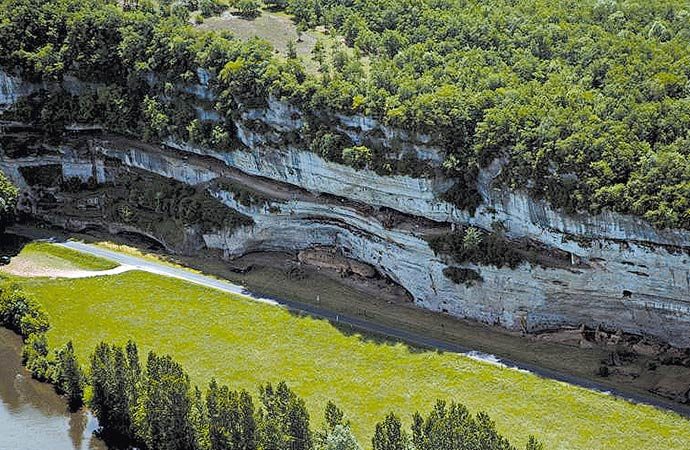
(351, 326)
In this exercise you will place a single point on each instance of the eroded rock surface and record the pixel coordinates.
(622, 273)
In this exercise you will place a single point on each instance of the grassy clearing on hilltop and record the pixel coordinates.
(244, 343)
(278, 29)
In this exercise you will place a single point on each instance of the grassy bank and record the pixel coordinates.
(244, 343)
(43, 254)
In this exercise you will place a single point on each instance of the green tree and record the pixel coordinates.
(333, 415)
(164, 411)
(70, 378)
(284, 420)
(35, 357)
(156, 121)
(115, 381)
(533, 444)
(8, 200)
(231, 419)
(389, 434)
(21, 313)
(340, 438)
(452, 427)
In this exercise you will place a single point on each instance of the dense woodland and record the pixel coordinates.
(586, 102)
(153, 405)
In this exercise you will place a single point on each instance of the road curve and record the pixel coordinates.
(146, 265)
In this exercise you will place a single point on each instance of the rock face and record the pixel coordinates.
(625, 274)
(11, 89)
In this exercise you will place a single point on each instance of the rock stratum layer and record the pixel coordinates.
(610, 270)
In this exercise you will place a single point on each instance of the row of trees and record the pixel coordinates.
(22, 314)
(154, 405)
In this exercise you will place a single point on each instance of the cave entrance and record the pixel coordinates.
(142, 241)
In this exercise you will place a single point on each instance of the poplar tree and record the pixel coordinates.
(70, 378)
(284, 420)
(389, 434)
(231, 418)
(165, 406)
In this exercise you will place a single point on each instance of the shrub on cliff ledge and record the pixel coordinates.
(477, 247)
(8, 200)
(461, 275)
(357, 157)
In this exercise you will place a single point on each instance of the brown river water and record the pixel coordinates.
(32, 415)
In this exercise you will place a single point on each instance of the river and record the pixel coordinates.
(32, 416)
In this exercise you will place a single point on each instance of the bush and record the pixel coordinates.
(8, 200)
(459, 275)
(248, 8)
(210, 8)
(489, 249)
(21, 313)
(358, 157)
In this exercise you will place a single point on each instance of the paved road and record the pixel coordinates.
(362, 325)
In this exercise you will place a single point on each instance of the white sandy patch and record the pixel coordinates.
(24, 268)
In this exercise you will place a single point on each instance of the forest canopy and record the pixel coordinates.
(585, 102)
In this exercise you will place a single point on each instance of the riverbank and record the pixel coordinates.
(32, 415)
(245, 343)
(568, 354)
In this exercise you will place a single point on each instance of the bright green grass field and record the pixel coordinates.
(244, 343)
(58, 257)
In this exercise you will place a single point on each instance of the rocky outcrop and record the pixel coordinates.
(12, 89)
(624, 273)
(639, 288)
(331, 258)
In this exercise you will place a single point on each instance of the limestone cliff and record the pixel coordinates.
(619, 271)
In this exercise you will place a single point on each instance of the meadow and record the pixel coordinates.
(56, 257)
(244, 343)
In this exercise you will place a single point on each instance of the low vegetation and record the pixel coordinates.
(158, 206)
(470, 245)
(155, 407)
(244, 345)
(63, 258)
(462, 275)
(8, 200)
